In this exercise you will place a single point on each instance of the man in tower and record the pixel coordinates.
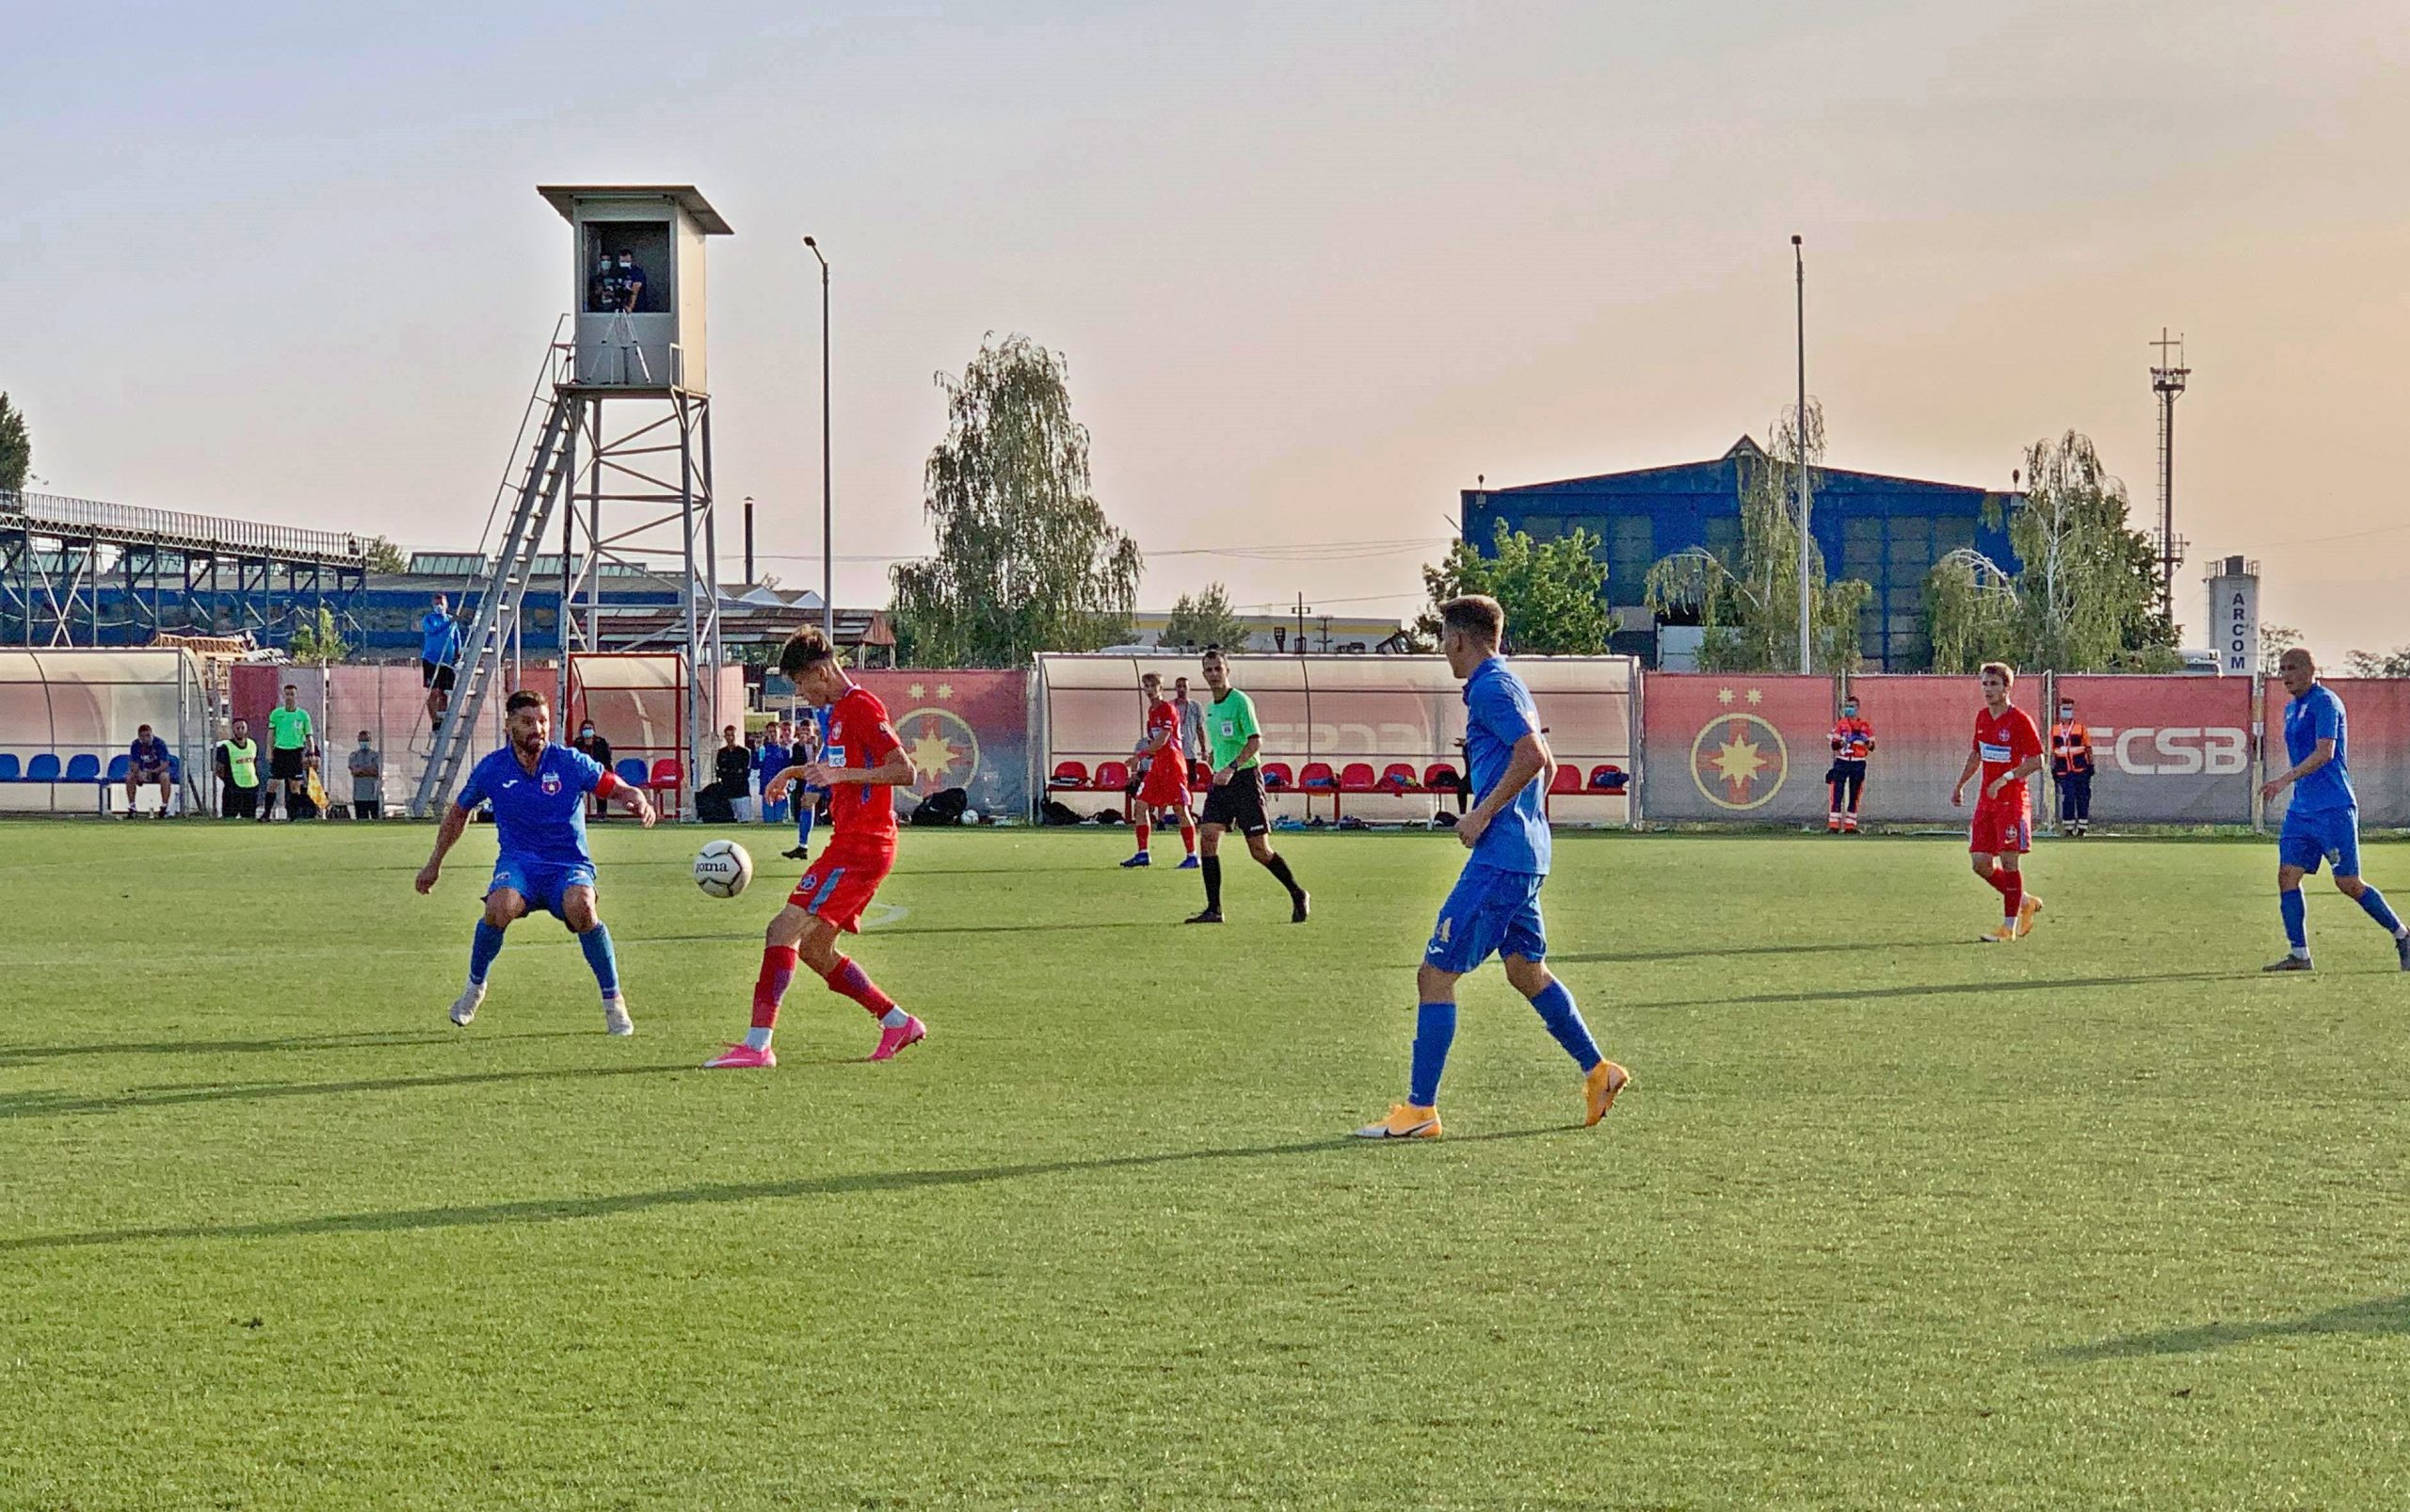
(1852, 741)
(631, 283)
(2071, 769)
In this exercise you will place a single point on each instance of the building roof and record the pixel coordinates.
(564, 197)
(1746, 449)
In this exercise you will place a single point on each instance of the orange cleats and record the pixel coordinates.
(1599, 1088)
(2025, 912)
(1406, 1122)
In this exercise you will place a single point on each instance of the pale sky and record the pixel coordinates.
(1314, 266)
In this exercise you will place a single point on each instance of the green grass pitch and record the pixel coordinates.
(1889, 1219)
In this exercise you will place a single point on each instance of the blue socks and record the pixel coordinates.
(2374, 902)
(802, 799)
(1564, 1020)
(2296, 919)
(596, 942)
(1435, 1030)
(482, 951)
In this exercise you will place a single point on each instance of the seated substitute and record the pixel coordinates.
(147, 764)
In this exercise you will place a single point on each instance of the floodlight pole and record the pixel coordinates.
(828, 487)
(1807, 547)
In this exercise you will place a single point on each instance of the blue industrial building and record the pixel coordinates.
(1887, 531)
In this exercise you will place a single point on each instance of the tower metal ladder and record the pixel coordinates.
(499, 589)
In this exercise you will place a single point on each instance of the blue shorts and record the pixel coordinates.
(2310, 838)
(1488, 912)
(541, 883)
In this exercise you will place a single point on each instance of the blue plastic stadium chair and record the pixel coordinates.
(82, 768)
(120, 765)
(42, 768)
(631, 771)
(176, 767)
(11, 769)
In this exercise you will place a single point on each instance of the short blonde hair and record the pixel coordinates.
(2006, 673)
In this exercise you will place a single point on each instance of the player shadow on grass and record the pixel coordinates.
(1923, 989)
(552, 1210)
(42, 1104)
(1855, 947)
(2381, 1315)
(363, 1039)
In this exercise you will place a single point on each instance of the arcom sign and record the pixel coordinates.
(2234, 618)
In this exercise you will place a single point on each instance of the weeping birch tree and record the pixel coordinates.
(2084, 597)
(1026, 561)
(1748, 608)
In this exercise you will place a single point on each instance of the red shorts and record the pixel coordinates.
(840, 886)
(2000, 829)
(1166, 787)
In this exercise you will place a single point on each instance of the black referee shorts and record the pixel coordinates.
(1238, 804)
(285, 765)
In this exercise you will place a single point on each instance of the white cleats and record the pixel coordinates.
(464, 1007)
(615, 1017)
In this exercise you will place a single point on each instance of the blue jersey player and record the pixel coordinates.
(538, 791)
(1495, 908)
(2323, 821)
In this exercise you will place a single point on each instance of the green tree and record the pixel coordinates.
(384, 557)
(1554, 592)
(2085, 596)
(16, 448)
(1026, 561)
(2274, 640)
(2395, 663)
(1206, 620)
(318, 643)
(1749, 608)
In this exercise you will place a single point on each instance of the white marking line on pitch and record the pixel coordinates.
(887, 913)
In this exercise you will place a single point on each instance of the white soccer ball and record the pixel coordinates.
(722, 869)
(970, 817)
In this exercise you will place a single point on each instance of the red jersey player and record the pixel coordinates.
(2007, 749)
(860, 766)
(1163, 795)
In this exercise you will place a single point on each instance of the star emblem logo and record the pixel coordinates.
(1724, 697)
(917, 690)
(1739, 760)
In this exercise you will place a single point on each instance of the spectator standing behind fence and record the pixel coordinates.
(367, 780)
(146, 761)
(2071, 769)
(731, 769)
(438, 649)
(807, 744)
(598, 751)
(289, 742)
(775, 756)
(238, 768)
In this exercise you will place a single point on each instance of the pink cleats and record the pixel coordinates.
(893, 1042)
(738, 1057)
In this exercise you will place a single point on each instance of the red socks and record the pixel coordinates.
(849, 980)
(777, 970)
(2011, 886)
(1143, 830)
(1188, 837)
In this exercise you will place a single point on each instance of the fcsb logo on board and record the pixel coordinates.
(944, 751)
(2177, 750)
(1739, 760)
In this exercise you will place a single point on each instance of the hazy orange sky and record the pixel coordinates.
(1313, 266)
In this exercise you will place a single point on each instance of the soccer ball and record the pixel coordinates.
(970, 817)
(722, 869)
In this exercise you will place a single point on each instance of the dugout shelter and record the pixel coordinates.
(67, 717)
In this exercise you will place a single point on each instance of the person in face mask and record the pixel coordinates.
(602, 289)
(598, 751)
(1853, 743)
(630, 278)
(2071, 769)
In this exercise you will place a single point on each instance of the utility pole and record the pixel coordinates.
(748, 541)
(1806, 542)
(827, 487)
(2167, 381)
(1301, 624)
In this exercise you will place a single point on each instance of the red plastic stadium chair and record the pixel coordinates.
(669, 778)
(1567, 779)
(1111, 776)
(1609, 779)
(1317, 775)
(1071, 775)
(1441, 778)
(1357, 777)
(1399, 778)
(1277, 775)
